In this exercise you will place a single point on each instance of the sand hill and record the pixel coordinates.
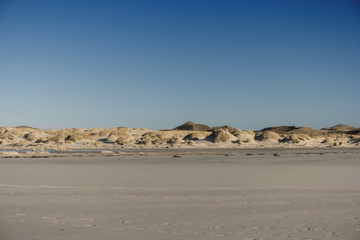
(189, 134)
(193, 127)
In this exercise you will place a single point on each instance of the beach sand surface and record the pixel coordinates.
(296, 195)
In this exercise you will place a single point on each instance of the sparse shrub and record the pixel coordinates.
(78, 137)
(220, 135)
(267, 136)
(174, 140)
(122, 140)
(198, 135)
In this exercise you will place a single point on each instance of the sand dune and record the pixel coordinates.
(189, 134)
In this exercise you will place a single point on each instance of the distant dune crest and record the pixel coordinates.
(192, 126)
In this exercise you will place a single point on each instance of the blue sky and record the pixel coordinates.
(156, 64)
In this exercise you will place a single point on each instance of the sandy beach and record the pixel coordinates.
(217, 194)
(184, 120)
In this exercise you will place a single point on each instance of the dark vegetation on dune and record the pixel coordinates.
(192, 126)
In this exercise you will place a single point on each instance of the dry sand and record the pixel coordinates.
(204, 194)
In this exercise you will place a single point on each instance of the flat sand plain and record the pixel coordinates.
(224, 194)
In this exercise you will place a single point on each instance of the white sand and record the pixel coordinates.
(297, 195)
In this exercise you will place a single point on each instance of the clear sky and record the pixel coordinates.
(156, 64)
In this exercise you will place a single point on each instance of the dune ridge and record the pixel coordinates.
(189, 134)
